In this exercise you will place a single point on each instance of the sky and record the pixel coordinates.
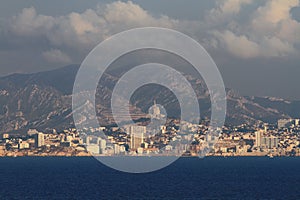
(255, 44)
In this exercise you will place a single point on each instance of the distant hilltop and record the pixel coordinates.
(43, 101)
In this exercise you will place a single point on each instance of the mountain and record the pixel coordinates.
(43, 101)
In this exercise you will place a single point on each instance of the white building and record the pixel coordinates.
(258, 136)
(93, 148)
(23, 145)
(136, 135)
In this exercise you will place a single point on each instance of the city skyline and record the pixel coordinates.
(149, 99)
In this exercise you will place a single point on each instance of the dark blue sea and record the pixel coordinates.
(187, 178)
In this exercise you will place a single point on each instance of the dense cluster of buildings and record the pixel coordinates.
(281, 139)
(35, 143)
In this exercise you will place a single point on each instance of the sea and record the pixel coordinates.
(187, 178)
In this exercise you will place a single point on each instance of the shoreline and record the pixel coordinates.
(145, 156)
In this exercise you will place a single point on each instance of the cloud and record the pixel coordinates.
(28, 23)
(242, 46)
(274, 18)
(133, 15)
(275, 11)
(269, 31)
(226, 9)
(56, 56)
(239, 46)
(77, 33)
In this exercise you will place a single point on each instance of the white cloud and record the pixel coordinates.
(269, 31)
(266, 32)
(56, 56)
(80, 32)
(275, 11)
(28, 23)
(113, 18)
(225, 9)
(239, 46)
(242, 46)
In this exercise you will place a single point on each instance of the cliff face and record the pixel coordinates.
(43, 101)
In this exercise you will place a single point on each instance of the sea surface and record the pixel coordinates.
(187, 178)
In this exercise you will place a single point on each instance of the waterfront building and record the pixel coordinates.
(264, 141)
(258, 136)
(23, 145)
(88, 140)
(93, 148)
(102, 143)
(140, 150)
(116, 149)
(39, 140)
(136, 135)
(269, 142)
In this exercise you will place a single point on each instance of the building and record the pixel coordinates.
(168, 148)
(265, 142)
(163, 129)
(23, 145)
(2, 149)
(140, 150)
(102, 145)
(122, 149)
(88, 140)
(258, 136)
(266, 127)
(39, 140)
(137, 134)
(297, 122)
(5, 136)
(116, 149)
(269, 142)
(93, 148)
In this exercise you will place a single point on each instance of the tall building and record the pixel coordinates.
(265, 142)
(258, 136)
(102, 145)
(88, 140)
(269, 142)
(116, 149)
(137, 134)
(266, 127)
(39, 140)
(297, 122)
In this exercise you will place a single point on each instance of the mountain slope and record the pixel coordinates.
(43, 101)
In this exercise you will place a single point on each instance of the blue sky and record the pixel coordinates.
(255, 44)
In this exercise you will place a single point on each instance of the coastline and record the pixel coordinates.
(128, 156)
